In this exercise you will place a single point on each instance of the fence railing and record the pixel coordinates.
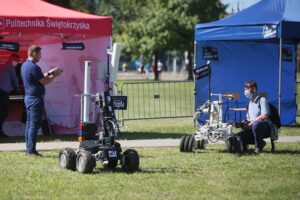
(156, 99)
(161, 99)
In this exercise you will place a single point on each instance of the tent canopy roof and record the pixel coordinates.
(251, 22)
(37, 15)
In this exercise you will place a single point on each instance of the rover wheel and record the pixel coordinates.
(239, 145)
(191, 145)
(67, 159)
(186, 143)
(202, 144)
(181, 145)
(85, 162)
(130, 161)
(229, 145)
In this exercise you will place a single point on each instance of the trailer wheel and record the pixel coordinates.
(67, 159)
(85, 162)
(181, 145)
(191, 145)
(130, 160)
(186, 143)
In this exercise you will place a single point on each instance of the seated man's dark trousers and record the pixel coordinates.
(255, 135)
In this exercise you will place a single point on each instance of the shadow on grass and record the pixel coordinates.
(44, 138)
(72, 138)
(149, 135)
(161, 170)
(292, 152)
(251, 152)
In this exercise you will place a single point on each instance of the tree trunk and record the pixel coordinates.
(190, 66)
(156, 73)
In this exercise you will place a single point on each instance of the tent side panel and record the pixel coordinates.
(242, 61)
(62, 106)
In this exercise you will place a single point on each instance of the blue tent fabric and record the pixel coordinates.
(229, 73)
(260, 16)
(247, 46)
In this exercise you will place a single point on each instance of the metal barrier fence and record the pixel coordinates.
(161, 99)
(156, 99)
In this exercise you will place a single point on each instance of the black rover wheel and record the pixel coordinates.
(191, 145)
(229, 145)
(85, 162)
(130, 160)
(201, 144)
(235, 144)
(182, 141)
(186, 143)
(239, 145)
(67, 159)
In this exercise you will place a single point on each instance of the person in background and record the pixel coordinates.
(34, 84)
(8, 81)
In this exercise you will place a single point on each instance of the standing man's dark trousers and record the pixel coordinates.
(34, 108)
(4, 103)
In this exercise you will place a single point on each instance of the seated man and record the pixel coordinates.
(258, 125)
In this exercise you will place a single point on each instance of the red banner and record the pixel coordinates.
(100, 27)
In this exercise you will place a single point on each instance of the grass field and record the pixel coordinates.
(164, 173)
(148, 129)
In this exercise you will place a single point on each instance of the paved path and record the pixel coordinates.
(124, 143)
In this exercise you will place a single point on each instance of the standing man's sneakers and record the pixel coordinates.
(34, 154)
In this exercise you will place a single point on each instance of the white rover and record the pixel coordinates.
(213, 130)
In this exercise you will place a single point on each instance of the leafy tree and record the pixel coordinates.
(185, 15)
(151, 27)
(88, 6)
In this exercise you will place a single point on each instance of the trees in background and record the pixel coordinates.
(151, 27)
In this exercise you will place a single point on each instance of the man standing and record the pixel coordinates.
(8, 80)
(34, 81)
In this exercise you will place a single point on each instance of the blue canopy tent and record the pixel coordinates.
(258, 43)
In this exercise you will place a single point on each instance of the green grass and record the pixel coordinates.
(148, 129)
(164, 173)
(175, 128)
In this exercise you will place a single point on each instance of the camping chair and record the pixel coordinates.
(232, 96)
(274, 129)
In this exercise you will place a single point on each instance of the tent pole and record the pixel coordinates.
(280, 76)
(195, 65)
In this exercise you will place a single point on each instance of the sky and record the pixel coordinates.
(242, 4)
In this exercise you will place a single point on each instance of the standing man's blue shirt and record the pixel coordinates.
(31, 74)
